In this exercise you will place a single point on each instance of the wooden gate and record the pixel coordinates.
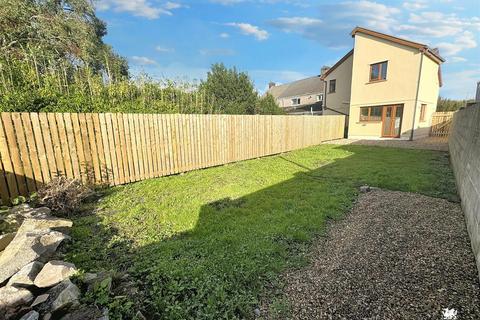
(441, 123)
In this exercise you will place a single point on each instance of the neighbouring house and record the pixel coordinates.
(303, 96)
(387, 86)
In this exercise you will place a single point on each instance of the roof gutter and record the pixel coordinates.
(416, 96)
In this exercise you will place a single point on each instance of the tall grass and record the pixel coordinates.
(33, 83)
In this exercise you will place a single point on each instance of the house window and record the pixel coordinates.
(423, 109)
(319, 97)
(378, 71)
(331, 86)
(295, 101)
(371, 113)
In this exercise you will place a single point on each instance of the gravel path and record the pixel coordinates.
(429, 143)
(395, 256)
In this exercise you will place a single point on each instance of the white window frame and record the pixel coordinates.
(319, 97)
(296, 101)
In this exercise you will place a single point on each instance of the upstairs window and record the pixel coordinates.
(295, 101)
(378, 71)
(319, 97)
(371, 113)
(331, 86)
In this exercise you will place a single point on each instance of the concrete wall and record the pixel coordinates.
(464, 146)
(340, 99)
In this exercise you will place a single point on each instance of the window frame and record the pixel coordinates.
(423, 111)
(380, 67)
(319, 97)
(370, 114)
(334, 81)
(296, 104)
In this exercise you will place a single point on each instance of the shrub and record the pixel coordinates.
(63, 196)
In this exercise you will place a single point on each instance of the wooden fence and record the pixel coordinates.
(441, 123)
(109, 148)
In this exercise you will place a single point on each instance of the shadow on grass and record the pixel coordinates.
(239, 245)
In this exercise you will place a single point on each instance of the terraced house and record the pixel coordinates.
(388, 86)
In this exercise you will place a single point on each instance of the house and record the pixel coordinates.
(387, 86)
(304, 96)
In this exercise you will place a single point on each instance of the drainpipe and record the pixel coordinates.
(416, 96)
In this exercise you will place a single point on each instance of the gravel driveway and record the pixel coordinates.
(397, 255)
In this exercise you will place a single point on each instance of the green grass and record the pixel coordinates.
(207, 243)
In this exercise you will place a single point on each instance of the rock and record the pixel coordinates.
(5, 240)
(256, 312)
(26, 247)
(365, 189)
(63, 297)
(47, 316)
(102, 280)
(11, 297)
(50, 223)
(54, 272)
(32, 315)
(83, 313)
(26, 275)
(16, 215)
(40, 299)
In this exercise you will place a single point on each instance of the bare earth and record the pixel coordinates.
(429, 143)
(397, 255)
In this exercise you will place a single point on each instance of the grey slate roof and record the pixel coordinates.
(297, 88)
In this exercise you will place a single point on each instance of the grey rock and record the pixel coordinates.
(26, 275)
(5, 240)
(53, 273)
(40, 299)
(27, 247)
(101, 280)
(83, 313)
(47, 316)
(11, 297)
(365, 189)
(32, 315)
(256, 312)
(63, 297)
(48, 223)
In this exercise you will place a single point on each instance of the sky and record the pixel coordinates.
(285, 40)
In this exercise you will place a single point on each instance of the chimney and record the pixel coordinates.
(323, 70)
(271, 85)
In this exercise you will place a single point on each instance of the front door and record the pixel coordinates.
(392, 121)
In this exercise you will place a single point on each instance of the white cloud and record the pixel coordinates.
(142, 61)
(164, 49)
(457, 59)
(460, 84)
(296, 24)
(414, 5)
(224, 35)
(466, 40)
(249, 29)
(139, 8)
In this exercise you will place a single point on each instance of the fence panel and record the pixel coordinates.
(115, 149)
(441, 123)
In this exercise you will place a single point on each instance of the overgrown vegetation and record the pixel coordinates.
(445, 104)
(206, 244)
(53, 58)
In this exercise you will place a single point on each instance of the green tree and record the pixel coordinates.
(233, 90)
(268, 105)
(445, 104)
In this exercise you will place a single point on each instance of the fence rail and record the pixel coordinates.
(441, 123)
(114, 148)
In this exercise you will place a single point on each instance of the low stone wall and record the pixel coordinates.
(464, 146)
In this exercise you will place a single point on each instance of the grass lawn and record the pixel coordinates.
(205, 244)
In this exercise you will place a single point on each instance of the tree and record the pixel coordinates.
(445, 104)
(233, 91)
(268, 105)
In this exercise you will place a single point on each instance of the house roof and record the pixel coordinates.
(432, 54)
(310, 85)
(345, 57)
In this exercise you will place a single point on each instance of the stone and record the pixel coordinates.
(26, 247)
(47, 316)
(63, 297)
(257, 312)
(364, 189)
(50, 223)
(5, 240)
(102, 280)
(11, 297)
(83, 313)
(26, 275)
(32, 315)
(40, 299)
(53, 273)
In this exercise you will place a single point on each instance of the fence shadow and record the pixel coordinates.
(238, 245)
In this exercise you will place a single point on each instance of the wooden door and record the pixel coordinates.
(392, 121)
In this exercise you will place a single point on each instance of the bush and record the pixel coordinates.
(63, 196)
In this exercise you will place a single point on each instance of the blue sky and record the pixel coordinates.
(285, 40)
